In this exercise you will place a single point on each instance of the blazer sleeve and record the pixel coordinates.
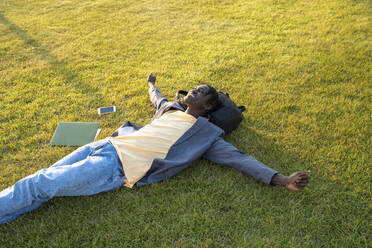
(156, 98)
(223, 153)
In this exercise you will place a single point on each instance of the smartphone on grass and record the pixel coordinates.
(106, 110)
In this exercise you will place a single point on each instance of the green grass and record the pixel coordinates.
(303, 69)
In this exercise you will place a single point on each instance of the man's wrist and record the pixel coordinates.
(279, 179)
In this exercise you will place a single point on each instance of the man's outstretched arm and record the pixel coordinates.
(156, 98)
(226, 154)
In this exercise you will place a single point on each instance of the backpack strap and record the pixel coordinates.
(242, 108)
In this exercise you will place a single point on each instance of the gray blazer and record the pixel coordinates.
(203, 139)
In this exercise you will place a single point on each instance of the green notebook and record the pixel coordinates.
(75, 133)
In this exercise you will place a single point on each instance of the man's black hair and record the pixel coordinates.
(214, 98)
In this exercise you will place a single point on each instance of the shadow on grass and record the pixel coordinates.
(101, 210)
(58, 66)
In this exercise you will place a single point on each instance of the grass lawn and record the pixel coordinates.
(303, 69)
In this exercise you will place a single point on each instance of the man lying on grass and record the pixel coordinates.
(138, 156)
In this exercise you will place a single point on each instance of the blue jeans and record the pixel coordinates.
(89, 170)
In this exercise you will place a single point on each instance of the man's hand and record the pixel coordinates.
(151, 78)
(295, 182)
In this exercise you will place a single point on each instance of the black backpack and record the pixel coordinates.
(228, 116)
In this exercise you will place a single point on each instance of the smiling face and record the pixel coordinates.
(197, 96)
(201, 100)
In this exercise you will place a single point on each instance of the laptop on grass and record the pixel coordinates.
(75, 133)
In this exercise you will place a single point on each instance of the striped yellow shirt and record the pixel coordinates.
(138, 149)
